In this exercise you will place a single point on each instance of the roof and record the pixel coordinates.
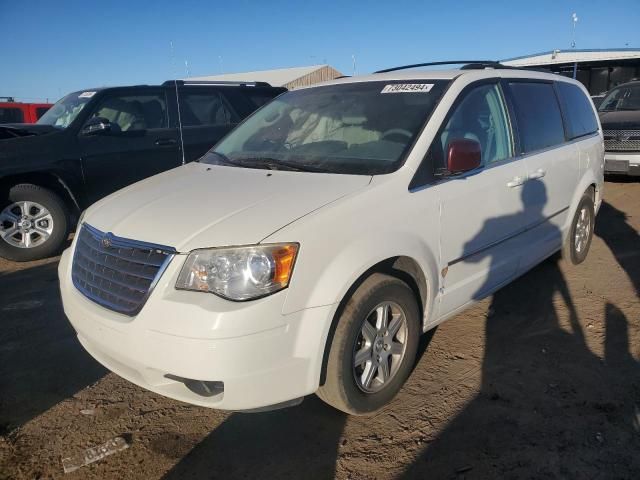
(555, 57)
(278, 78)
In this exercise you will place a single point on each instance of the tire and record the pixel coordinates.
(46, 237)
(576, 248)
(344, 387)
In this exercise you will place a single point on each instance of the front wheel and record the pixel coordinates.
(578, 241)
(34, 223)
(374, 346)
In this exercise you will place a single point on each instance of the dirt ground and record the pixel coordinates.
(540, 381)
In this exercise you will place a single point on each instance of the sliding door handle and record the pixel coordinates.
(537, 174)
(516, 182)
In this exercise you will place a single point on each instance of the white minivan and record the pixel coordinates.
(313, 245)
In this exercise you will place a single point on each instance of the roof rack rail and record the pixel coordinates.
(468, 65)
(216, 82)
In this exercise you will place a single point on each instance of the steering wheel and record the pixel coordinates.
(397, 131)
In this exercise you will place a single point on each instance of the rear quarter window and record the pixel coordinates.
(578, 112)
(538, 115)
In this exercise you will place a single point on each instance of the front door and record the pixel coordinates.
(482, 211)
(138, 145)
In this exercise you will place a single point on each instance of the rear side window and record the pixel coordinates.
(578, 111)
(538, 115)
(204, 108)
(41, 111)
(11, 115)
(259, 98)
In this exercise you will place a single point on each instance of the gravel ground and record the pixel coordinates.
(542, 380)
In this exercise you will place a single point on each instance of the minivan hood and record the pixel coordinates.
(200, 206)
(620, 120)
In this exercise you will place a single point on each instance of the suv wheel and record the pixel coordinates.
(374, 346)
(34, 223)
(577, 243)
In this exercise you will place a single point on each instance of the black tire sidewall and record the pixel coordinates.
(59, 212)
(390, 289)
(575, 257)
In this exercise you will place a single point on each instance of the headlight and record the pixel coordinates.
(239, 273)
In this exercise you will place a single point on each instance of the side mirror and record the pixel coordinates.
(95, 126)
(463, 155)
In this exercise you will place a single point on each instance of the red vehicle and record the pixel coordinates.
(18, 112)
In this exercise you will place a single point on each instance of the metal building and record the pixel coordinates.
(598, 70)
(283, 77)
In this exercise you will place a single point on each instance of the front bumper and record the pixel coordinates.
(261, 356)
(622, 163)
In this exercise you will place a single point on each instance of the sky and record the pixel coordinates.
(51, 48)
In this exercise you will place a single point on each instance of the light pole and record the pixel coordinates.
(574, 21)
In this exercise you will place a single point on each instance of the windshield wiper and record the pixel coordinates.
(267, 163)
(270, 163)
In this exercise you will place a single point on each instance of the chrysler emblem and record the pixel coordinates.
(106, 242)
(621, 137)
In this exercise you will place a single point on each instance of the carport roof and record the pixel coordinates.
(556, 57)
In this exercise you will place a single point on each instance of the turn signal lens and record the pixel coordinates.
(239, 273)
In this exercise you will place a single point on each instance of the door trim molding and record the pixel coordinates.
(508, 237)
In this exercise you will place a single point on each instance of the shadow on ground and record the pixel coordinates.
(269, 445)
(41, 361)
(548, 407)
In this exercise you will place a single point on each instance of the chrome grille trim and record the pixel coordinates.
(621, 140)
(117, 273)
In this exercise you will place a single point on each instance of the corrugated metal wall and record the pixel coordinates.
(323, 74)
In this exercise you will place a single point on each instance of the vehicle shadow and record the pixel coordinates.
(548, 407)
(622, 240)
(41, 361)
(269, 445)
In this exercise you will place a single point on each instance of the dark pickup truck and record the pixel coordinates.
(94, 142)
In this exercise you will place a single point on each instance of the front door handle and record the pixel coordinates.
(516, 182)
(537, 174)
(161, 142)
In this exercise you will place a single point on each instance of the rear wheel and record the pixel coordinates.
(578, 241)
(34, 223)
(374, 346)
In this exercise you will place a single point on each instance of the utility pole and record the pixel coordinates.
(574, 21)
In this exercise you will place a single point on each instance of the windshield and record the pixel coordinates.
(66, 110)
(355, 128)
(622, 98)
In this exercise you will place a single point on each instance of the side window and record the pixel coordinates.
(481, 116)
(204, 108)
(581, 119)
(134, 112)
(538, 115)
(41, 111)
(259, 98)
(11, 115)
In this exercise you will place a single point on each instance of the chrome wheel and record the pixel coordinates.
(25, 224)
(380, 347)
(582, 230)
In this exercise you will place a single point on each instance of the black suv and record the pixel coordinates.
(620, 118)
(94, 142)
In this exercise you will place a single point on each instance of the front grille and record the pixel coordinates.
(621, 140)
(115, 272)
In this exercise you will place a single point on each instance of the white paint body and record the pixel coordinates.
(271, 350)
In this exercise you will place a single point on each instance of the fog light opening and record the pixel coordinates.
(202, 388)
